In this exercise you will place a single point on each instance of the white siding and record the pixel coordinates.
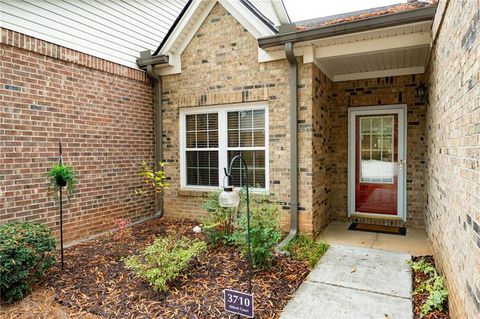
(115, 30)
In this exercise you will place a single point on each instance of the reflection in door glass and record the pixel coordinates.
(376, 149)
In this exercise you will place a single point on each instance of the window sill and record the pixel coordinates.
(195, 192)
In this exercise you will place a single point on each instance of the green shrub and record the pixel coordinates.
(58, 175)
(218, 225)
(26, 252)
(434, 286)
(164, 260)
(264, 230)
(304, 248)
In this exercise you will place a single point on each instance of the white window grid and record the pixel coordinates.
(222, 148)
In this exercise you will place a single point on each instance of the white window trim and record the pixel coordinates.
(222, 148)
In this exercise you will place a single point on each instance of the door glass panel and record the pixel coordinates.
(376, 135)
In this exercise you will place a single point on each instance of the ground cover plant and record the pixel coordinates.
(303, 248)
(26, 252)
(96, 281)
(430, 295)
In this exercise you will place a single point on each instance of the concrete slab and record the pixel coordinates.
(365, 269)
(322, 301)
(414, 243)
(355, 283)
(338, 233)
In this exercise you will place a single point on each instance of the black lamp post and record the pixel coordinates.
(230, 198)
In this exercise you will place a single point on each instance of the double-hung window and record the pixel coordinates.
(210, 137)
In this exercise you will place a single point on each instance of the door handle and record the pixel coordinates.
(401, 163)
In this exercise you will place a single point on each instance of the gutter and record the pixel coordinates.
(293, 149)
(148, 62)
(368, 24)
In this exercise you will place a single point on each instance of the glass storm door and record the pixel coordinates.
(377, 161)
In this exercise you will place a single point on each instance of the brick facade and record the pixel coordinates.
(220, 73)
(453, 154)
(102, 112)
(224, 72)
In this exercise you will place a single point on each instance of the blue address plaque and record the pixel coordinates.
(238, 303)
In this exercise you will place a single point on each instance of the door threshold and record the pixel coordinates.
(383, 217)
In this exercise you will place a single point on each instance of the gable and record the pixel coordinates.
(194, 17)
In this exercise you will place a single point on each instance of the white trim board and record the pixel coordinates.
(401, 110)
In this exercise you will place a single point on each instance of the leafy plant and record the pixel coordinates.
(164, 260)
(304, 248)
(152, 178)
(219, 222)
(434, 285)
(26, 252)
(62, 175)
(264, 230)
(121, 236)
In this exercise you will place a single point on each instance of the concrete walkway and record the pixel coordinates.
(355, 283)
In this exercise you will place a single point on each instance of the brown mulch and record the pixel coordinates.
(419, 298)
(95, 281)
(41, 304)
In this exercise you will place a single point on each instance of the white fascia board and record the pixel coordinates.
(246, 18)
(196, 4)
(281, 12)
(405, 41)
(378, 74)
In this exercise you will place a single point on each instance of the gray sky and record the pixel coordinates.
(309, 9)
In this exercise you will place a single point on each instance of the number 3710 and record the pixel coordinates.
(243, 301)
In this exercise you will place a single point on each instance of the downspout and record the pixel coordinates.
(157, 106)
(293, 149)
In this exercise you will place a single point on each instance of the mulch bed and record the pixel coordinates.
(419, 298)
(95, 280)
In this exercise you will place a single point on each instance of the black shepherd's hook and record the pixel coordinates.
(60, 162)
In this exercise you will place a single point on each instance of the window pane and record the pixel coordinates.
(202, 168)
(191, 139)
(202, 130)
(256, 168)
(259, 118)
(246, 120)
(246, 138)
(191, 122)
(202, 122)
(202, 139)
(233, 120)
(233, 138)
(259, 138)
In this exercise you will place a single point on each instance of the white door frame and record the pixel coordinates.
(401, 110)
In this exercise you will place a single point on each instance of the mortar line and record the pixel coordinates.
(359, 289)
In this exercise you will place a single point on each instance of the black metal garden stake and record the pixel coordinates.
(228, 174)
(60, 162)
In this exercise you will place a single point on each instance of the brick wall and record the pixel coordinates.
(381, 91)
(322, 147)
(102, 112)
(218, 72)
(453, 154)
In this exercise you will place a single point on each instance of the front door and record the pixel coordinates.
(377, 161)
